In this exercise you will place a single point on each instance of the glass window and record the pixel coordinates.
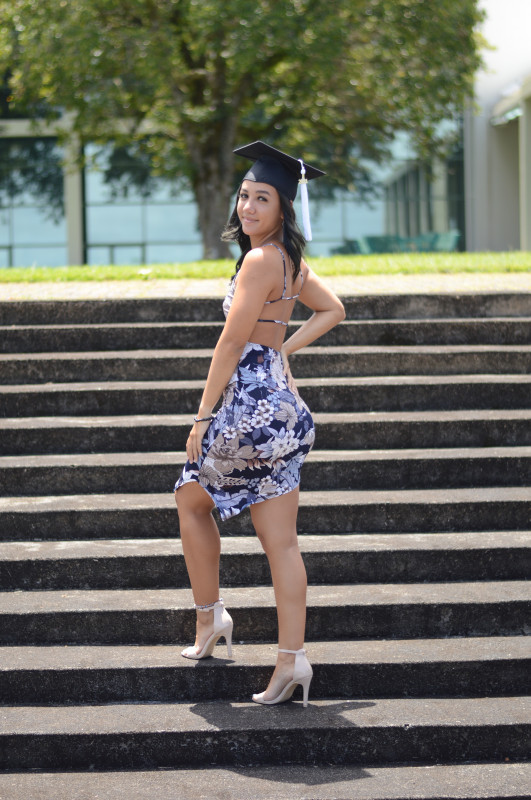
(103, 182)
(33, 225)
(326, 221)
(173, 253)
(424, 201)
(166, 191)
(132, 216)
(98, 256)
(95, 189)
(177, 223)
(126, 255)
(32, 221)
(5, 225)
(114, 224)
(362, 219)
(98, 191)
(40, 256)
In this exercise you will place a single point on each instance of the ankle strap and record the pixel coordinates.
(209, 606)
(294, 652)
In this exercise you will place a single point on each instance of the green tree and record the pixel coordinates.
(192, 79)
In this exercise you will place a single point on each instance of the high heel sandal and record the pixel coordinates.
(302, 673)
(222, 627)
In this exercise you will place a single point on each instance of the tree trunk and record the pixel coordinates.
(213, 203)
(213, 164)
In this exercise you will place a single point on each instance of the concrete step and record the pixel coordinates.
(157, 365)
(145, 736)
(165, 335)
(408, 393)
(111, 516)
(460, 667)
(484, 781)
(204, 309)
(342, 430)
(434, 331)
(330, 559)
(130, 336)
(323, 469)
(165, 616)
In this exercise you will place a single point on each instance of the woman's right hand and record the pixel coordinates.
(194, 441)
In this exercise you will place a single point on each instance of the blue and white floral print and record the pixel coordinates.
(254, 448)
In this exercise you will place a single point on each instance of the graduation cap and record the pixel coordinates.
(282, 171)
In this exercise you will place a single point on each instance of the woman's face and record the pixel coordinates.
(259, 209)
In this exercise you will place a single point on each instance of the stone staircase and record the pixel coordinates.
(415, 524)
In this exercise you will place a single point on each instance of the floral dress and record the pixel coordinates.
(255, 446)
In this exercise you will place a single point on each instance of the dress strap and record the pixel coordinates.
(278, 321)
(282, 297)
(294, 296)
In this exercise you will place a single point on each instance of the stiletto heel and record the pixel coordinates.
(228, 638)
(302, 674)
(222, 627)
(305, 683)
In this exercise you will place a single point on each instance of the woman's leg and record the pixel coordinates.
(275, 522)
(201, 549)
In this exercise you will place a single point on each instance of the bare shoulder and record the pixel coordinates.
(261, 264)
(264, 254)
(316, 294)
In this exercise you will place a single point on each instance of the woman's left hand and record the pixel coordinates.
(193, 444)
(287, 370)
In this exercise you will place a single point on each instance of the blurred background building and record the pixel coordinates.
(478, 198)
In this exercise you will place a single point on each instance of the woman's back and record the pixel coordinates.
(270, 327)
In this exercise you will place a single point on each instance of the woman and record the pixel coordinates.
(250, 452)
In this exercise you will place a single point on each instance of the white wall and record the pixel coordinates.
(492, 206)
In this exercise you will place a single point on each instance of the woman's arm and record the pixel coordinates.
(328, 311)
(257, 278)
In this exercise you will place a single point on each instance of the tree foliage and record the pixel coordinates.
(192, 79)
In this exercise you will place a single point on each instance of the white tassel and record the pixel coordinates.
(305, 204)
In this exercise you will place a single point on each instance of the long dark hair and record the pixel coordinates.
(293, 240)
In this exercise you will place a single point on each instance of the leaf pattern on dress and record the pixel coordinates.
(228, 455)
(287, 414)
(209, 475)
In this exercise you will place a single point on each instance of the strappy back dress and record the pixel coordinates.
(255, 446)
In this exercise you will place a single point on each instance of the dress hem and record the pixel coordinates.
(224, 516)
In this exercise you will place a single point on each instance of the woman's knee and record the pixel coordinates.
(277, 543)
(191, 498)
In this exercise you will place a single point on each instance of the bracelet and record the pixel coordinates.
(204, 419)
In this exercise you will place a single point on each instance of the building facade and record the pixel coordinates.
(497, 134)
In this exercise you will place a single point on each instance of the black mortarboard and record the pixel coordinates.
(284, 172)
(276, 168)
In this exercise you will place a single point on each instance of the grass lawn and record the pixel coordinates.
(391, 264)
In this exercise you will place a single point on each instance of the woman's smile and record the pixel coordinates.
(259, 209)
